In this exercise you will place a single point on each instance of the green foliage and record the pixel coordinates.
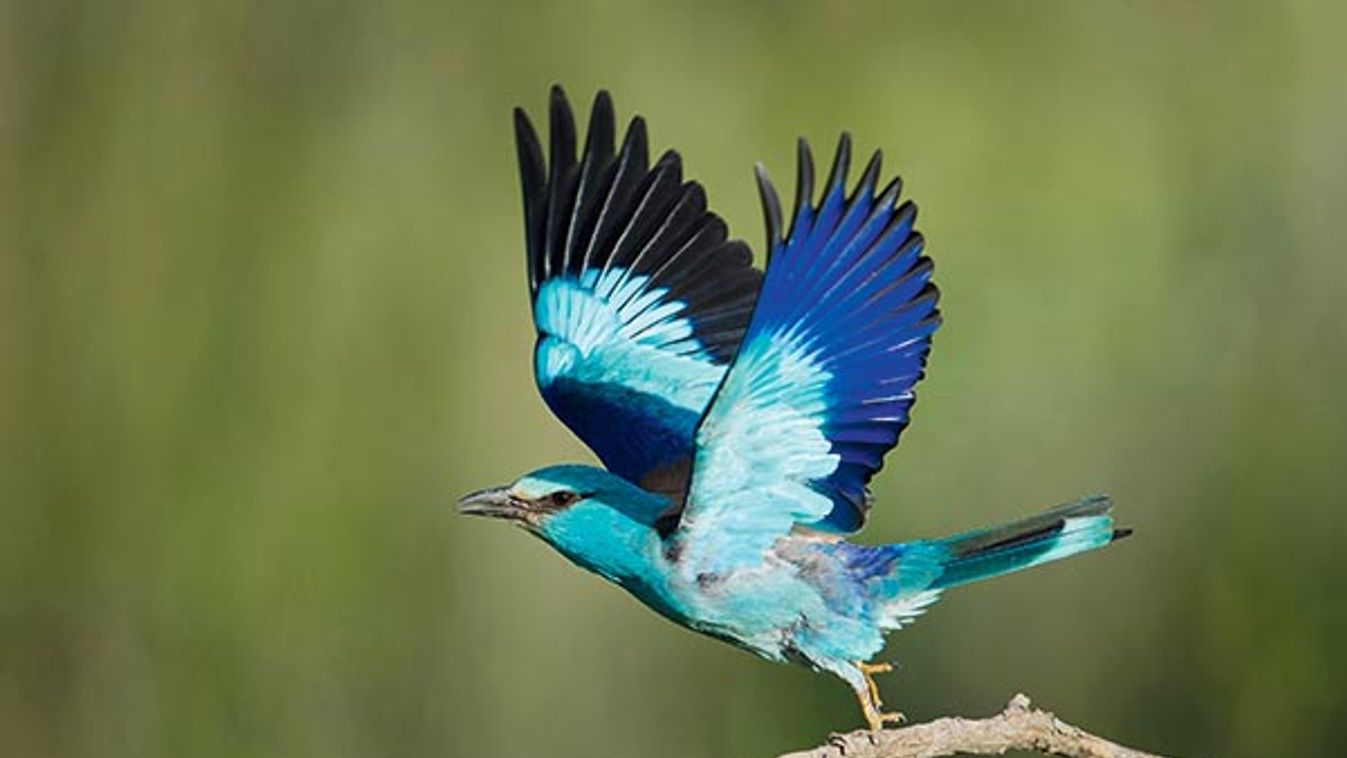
(263, 317)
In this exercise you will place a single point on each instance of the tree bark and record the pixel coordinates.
(1018, 727)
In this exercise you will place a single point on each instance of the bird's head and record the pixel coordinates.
(598, 519)
(534, 498)
(563, 494)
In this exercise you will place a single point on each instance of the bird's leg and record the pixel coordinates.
(868, 697)
(868, 670)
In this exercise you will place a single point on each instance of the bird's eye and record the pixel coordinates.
(562, 498)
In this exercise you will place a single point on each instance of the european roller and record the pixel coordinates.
(740, 414)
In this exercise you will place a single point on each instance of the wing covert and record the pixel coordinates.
(824, 378)
(639, 297)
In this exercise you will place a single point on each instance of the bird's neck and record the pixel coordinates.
(619, 543)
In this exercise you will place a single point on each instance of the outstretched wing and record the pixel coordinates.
(823, 381)
(639, 298)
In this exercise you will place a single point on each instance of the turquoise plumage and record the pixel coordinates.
(740, 415)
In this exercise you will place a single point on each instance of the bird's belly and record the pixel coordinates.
(771, 610)
(757, 610)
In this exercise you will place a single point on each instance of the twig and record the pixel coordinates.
(1018, 727)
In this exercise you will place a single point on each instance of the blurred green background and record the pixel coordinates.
(263, 317)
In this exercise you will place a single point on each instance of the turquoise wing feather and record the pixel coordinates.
(823, 381)
(639, 297)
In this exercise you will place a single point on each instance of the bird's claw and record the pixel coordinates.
(877, 719)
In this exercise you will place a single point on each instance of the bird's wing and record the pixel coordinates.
(639, 298)
(823, 381)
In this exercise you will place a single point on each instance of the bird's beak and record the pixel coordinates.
(496, 502)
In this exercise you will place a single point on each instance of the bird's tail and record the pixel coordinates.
(1057, 533)
(923, 569)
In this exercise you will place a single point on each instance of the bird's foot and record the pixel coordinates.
(876, 719)
(871, 704)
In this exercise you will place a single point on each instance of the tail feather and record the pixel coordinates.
(1054, 534)
(919, 571)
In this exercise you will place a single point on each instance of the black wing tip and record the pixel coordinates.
(760, 171)
(636, 145)
(771, 205)
(695, 193)
(804, 177)
(558, 99)
(1120, 533)
(533, 182)
(559, 102)
(888, 196)
(561, 133)
(560, 115)
(929, 293)
(637, 126)
(837, 177)
(602, 121)
(737, 251)
(526, 136)
(804, 152)
(934, 290)
(935, 320)
(670, 160)
(559, 107)
(871, 173)
(844, 143)
(601, 131)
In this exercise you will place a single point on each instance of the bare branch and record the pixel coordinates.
(1018, 727)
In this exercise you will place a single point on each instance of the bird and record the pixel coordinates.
(739, 413)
